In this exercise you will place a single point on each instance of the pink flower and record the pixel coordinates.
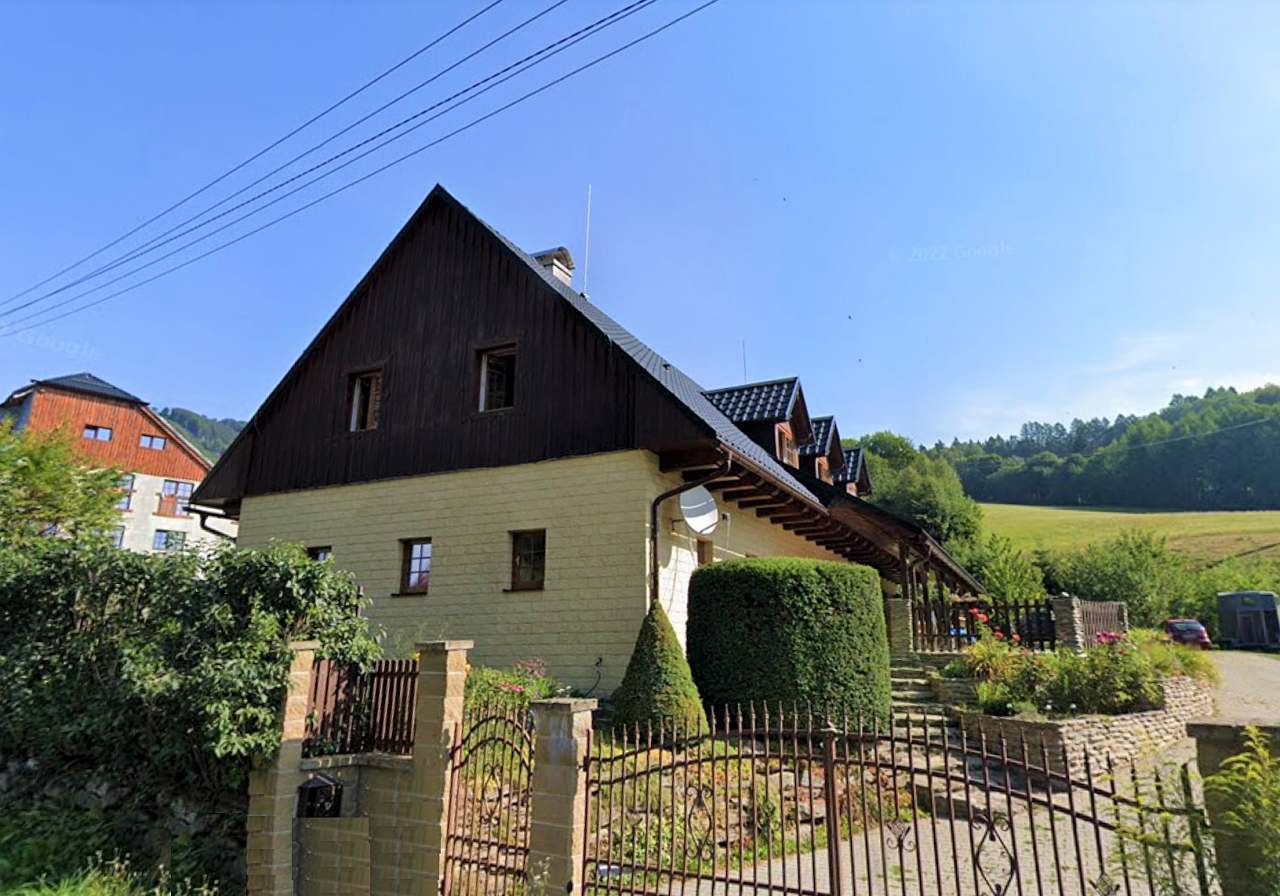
(982, 617)
(1017, 637)
(1000, 635)
(512, 687)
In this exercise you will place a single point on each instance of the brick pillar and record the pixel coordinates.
(1068, 622)
(556, 833)
(897, 621)
(273, 788)
(442, 679)
(1215, 741)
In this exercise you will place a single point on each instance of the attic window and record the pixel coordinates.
(365, 400)
(498, 379)
(154, 443)
(97, 433)
(787, 449)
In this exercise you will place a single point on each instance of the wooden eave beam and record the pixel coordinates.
(770, 510)
(776, 499)
(702, 456)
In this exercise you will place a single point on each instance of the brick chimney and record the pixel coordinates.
(558, 263)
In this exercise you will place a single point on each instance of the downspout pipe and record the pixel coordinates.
(719, 471)
(204, 522)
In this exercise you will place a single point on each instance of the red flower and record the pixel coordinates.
(1017, 637)
(982, 617)
(1000, 635)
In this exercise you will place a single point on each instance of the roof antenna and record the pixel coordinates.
(586, 246)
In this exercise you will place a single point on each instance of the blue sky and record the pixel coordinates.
(945, 218)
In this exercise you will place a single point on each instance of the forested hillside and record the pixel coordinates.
(209, 435)
(1218, 452)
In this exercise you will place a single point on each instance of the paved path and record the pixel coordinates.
(1250, 687)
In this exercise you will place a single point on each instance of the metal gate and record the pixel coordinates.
(783, 802)
(487, 831)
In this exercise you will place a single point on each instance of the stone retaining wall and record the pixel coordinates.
(1124, 737)
(954, 691)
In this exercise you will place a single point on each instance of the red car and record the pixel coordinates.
(1188, 631)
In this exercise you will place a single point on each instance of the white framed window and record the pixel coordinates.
(166, 540)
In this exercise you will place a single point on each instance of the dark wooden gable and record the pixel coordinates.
(442, 293)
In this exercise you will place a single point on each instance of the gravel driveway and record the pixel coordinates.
(1250, 688)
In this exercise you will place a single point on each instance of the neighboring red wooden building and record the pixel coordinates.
(113, 428)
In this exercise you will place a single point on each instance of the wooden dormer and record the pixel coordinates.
(856, 476)
(824, 457)
(773, 414)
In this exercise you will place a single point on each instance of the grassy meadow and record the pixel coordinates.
(1204, 536)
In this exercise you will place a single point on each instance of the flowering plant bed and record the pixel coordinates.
(1124, 737)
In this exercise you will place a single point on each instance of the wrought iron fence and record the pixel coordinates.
(487, 831)
(784, 801)
(354, 711)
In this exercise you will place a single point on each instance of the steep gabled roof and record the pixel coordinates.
(675, 381)
(853, 462)
(87, 384)
(767, 402)
(823, 428)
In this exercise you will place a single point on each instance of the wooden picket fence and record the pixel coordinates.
(354, 711)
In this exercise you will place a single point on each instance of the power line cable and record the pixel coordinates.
(138, 251)
(473, 123)
(260, 153)
(512, 71)
(1195, 435)
(551, 50)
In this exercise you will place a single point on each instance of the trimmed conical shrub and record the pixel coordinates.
(658, 686)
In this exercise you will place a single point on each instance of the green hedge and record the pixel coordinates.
(657, 688)
(786, 630)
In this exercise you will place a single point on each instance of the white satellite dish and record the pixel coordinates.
(698, 507)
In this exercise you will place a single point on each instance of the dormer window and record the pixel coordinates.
(498, 379)
(787, 452)
(365, 401)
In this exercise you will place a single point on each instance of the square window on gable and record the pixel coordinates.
(155, 443)
(97, 433)
(364, 401)
(498, 379)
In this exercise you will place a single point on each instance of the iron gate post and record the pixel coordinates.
(557, 833)
(832, 799)
(442, 682)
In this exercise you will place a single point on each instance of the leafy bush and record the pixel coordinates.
(994, 698)
(658, 685)
(44, 481)
(956, 668)
(1010, 576)
(783, 630)
(1117, 677)
(1171, 659)
(1248, 787)
(520, 685)
(1136, 568)
(139, 689)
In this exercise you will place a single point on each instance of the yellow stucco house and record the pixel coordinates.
(494, 458)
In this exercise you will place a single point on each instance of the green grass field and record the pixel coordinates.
(1205, 536)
